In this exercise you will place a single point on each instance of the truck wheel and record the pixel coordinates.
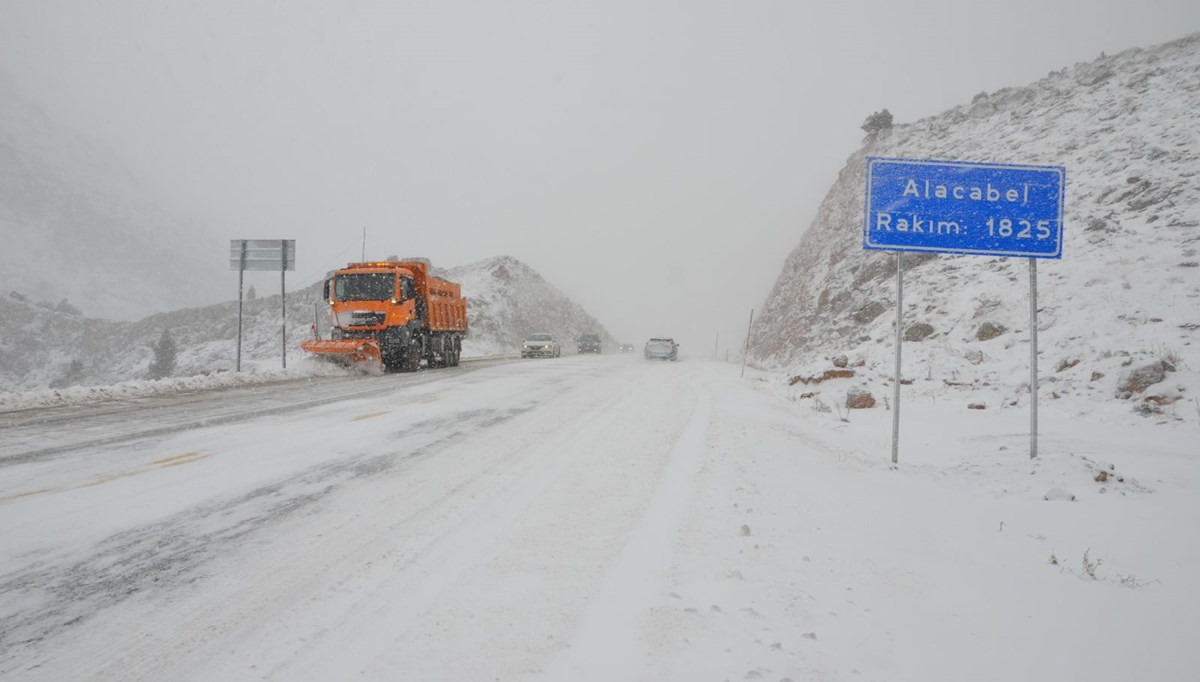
(409, 361)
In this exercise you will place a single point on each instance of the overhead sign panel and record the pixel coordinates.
(964, 208)
(262, 254)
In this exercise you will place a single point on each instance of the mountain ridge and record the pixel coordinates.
(1127, 290)
(44, 347)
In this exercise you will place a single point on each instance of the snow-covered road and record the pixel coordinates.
(589, 518)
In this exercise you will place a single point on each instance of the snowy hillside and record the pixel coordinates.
(41, 347)
(77, 226)
(1126, 293)
(507, 299)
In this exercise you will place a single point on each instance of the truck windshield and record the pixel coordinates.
(367, 286)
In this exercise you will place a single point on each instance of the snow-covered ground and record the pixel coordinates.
(608, 518)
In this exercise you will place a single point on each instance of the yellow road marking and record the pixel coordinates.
(28, 493)
(173, 461)
(186, 455)
(176, 461)
(368, 416)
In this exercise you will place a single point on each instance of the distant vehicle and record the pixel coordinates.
(540, 345)
(626, 347)
(589, 343)
(662, 349)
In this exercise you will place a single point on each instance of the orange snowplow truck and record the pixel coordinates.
(394, 313)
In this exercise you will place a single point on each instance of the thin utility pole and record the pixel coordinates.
(746, 350)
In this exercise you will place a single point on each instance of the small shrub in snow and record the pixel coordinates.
(880, 120)
(1133, 583)
(164, 356)
(1090, 565)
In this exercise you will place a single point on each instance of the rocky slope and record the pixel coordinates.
(42, 346)
(1126, 292)
(507, 299)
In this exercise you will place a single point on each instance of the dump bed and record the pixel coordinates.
(447, 308)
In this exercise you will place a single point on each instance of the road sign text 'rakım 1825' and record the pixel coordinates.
(964, 208)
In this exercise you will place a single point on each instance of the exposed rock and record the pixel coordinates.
(918, 332)
(869, 312)
(989, 330)
(976, 406)
(1138, 380)
(859, 399)
(824, 376)
(841, 361)
(1058, 495)
(1162, 399)
(1097, 376)
(1066, 364)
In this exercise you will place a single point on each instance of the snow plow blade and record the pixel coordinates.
(348, 351)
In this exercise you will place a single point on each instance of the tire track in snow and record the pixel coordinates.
(361, 638)
(155, 559)
(610, 640)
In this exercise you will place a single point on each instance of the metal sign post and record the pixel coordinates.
(899, 340)
(241, 279)
(962, 207)
(263, 254)
(283, 262)
(1033, 359)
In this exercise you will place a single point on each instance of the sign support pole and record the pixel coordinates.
(1033, 359)
(283, 297)
(746, 350)
(899, 339)
(241, 278)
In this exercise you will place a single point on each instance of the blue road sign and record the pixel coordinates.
(962, 207)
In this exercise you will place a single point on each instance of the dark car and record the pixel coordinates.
(626, 347)
(589, 343)
(662, 349)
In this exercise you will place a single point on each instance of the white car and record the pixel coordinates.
(662, 349)
(540, 346)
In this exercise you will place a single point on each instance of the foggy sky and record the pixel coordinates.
(657, 161)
